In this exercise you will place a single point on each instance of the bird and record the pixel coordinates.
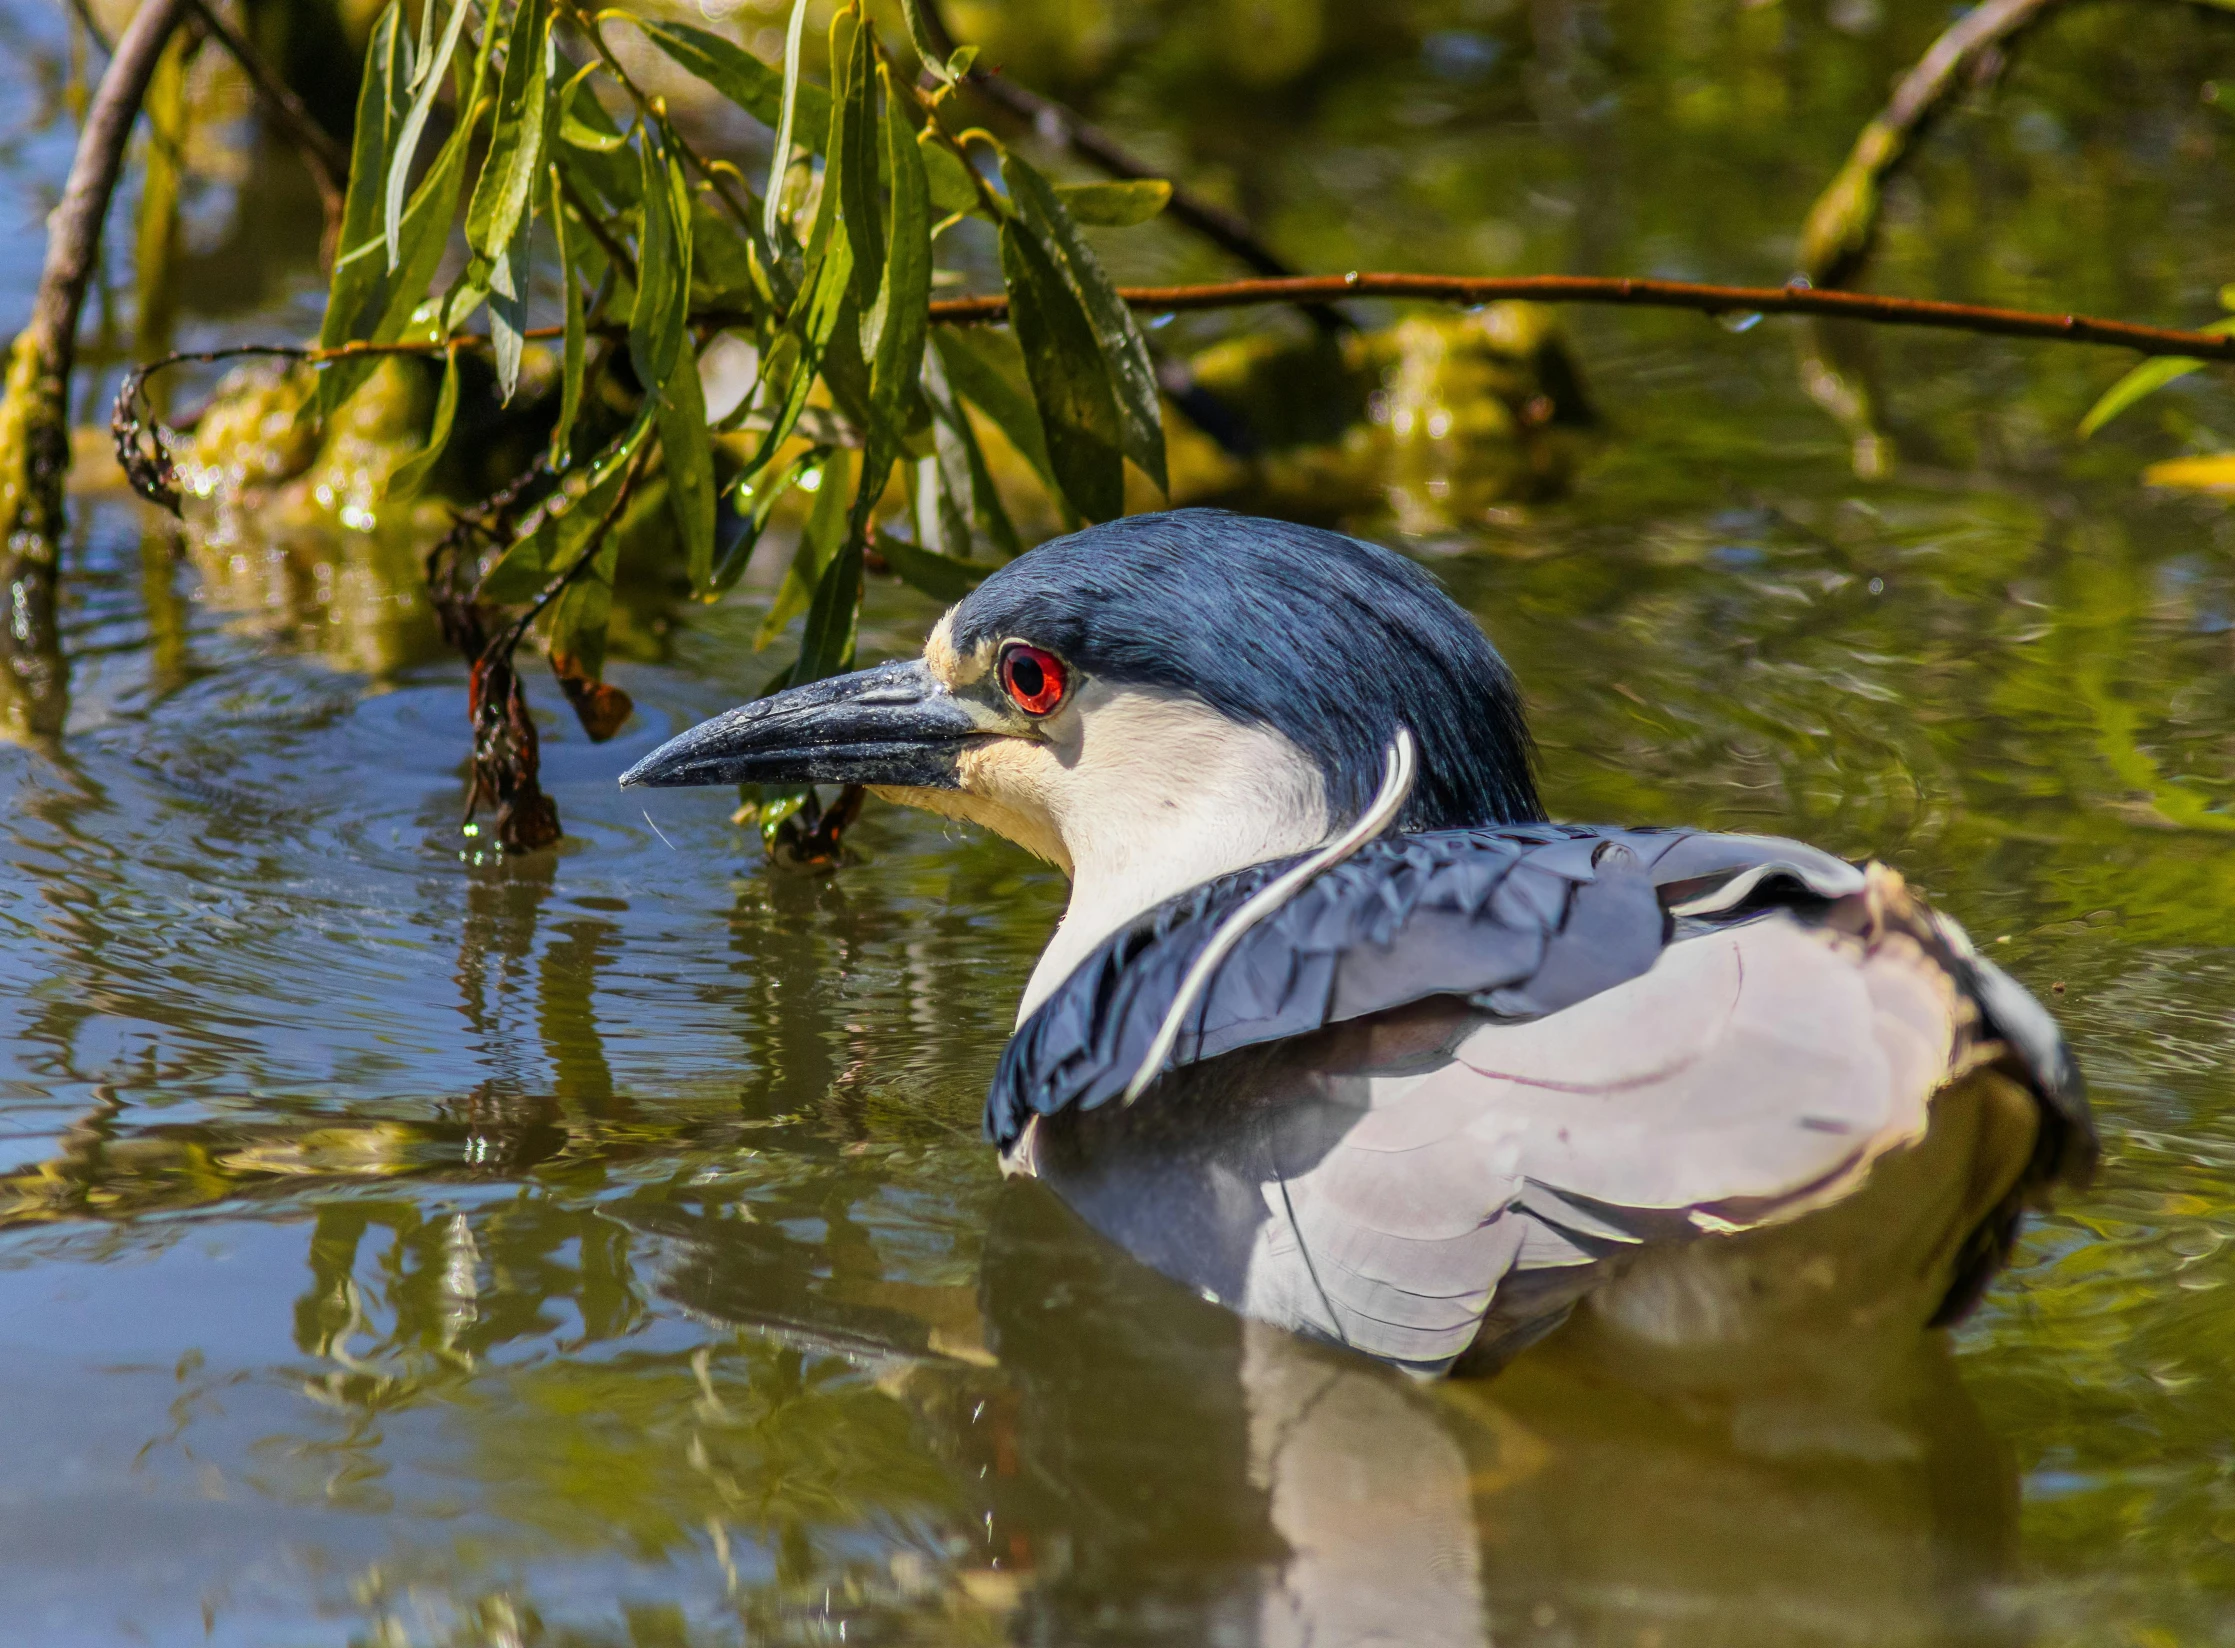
(1340, 1031)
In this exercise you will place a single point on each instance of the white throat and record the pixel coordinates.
(1153, 792)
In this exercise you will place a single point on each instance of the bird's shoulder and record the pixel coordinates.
(1521, 919)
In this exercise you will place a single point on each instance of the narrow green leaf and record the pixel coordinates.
(826, 646)
(427, 80)
(970, 506)
(561, 523)
(987, 370)
(721, 258)
(903, 299)
(798, 353)
(574, 636)
(659, 349)
(952, 192)
(1115, 205)
(573, 131)
(690, 471)
(574, 628)
(466, 295)
(386, 304)
(757, 504)
(1070, 381)
(988, 514)
(572, 348)
(593, 143)
(939, 576)
(855, 155)
(787, 121)
(822, 305)
(508, 309)
(1131, 374)
(919, 36)
(845, 372)
(382, 98)
(656, 332)
(743, 78)
(412, 473)
(604, 172)
(819, 541)
(943, 521)
(505, 194)
(2149, 377)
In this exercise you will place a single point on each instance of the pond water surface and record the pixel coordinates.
(404, 1244)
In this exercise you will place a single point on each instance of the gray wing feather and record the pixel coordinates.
(1750, 1075)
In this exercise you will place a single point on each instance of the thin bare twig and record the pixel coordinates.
(1796, 299)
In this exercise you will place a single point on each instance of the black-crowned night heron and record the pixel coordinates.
(1337, 1030)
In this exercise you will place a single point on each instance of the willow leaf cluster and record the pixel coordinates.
(823, 267)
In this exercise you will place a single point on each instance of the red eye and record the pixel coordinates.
(1034, 680)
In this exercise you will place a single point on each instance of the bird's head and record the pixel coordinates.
(1156, 701)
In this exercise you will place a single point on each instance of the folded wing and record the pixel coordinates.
(1421, 1181)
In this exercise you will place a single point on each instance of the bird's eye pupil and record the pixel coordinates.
(1029, 681)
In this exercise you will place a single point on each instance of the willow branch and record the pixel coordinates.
(655, 108)
(1617, 290)
(1796, 299)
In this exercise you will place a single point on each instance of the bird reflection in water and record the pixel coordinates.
(1145, 1464)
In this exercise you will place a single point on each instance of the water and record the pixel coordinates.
(406, 1245)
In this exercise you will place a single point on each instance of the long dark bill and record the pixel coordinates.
(894, 724)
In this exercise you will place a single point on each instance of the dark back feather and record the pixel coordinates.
(1523, 919)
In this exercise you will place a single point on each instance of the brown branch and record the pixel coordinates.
(1619, 290)
(1796, 299)
(146, 463)
(74, 227)
(323, 155)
